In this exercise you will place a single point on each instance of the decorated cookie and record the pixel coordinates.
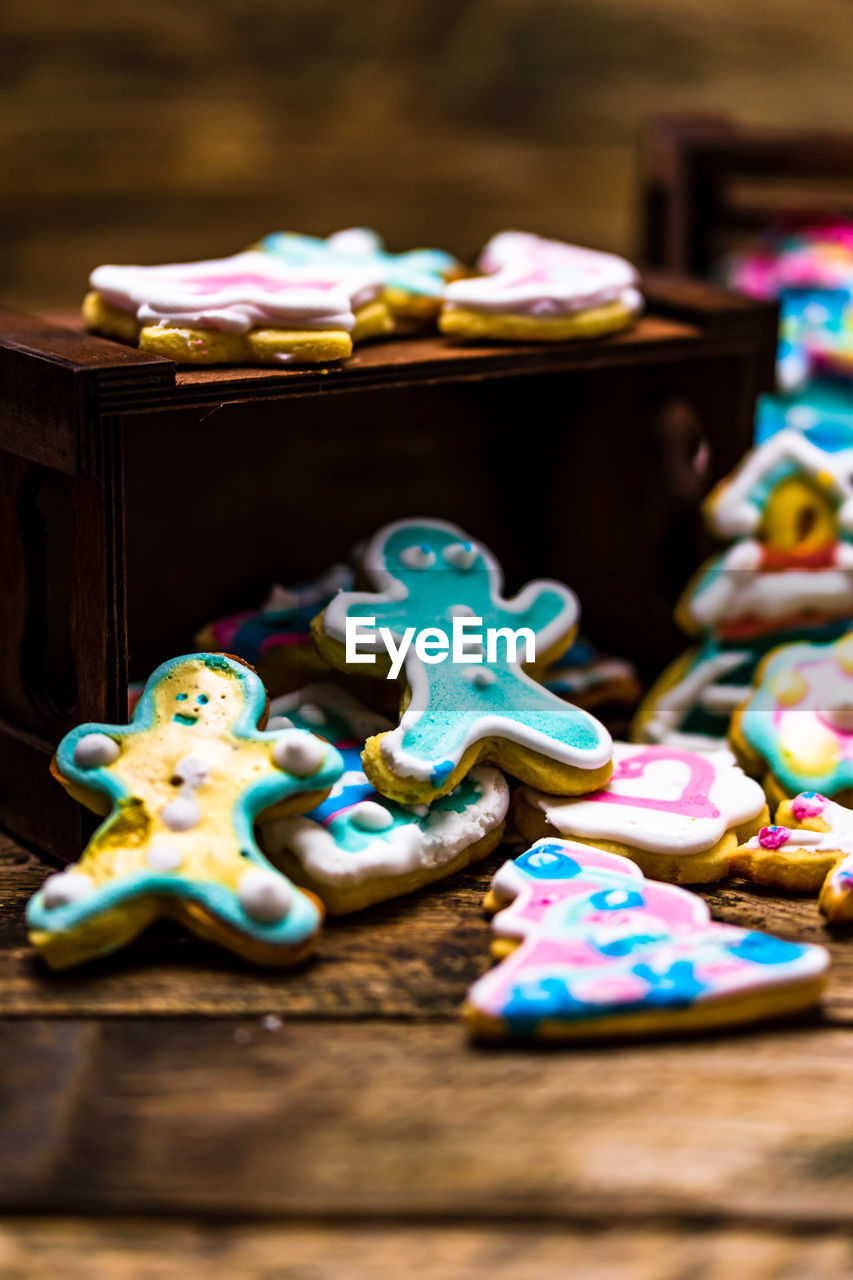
(535, 290)
(787, 576)
(435, 600)
(796, 731)
(181, 786)
(247, 309)
(593, 680)
(358, 848)
(276, 638)
(677, 814)
(590, 949)
(809, 848)
(413, 281)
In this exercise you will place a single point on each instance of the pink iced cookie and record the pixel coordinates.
(588, 948)
(677, 814)
(532, 289)
(810, 848)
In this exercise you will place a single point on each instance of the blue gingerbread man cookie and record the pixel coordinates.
(435, 617)
(181, 786)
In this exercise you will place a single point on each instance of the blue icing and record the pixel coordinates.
(419, 271)
(441, 772)
(548, 862)
(452, 703)
(619, 899)
(822, 411)
(675, 985)
(269, 789)
(760, 948)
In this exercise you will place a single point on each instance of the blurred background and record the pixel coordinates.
(166, 131)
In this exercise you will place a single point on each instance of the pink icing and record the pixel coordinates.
(773, 837)
(694, 801)
(808, 806)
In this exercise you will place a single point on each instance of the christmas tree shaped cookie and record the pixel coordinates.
(181, 786)
(788, 575)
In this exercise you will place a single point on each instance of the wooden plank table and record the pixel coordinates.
(173, 1112)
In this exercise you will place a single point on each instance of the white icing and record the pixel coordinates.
(737, 798)
(279, 722)
(439, 837)
(730, 590)
(66, 887)
(265, 896)
(736, 506)
(527, 275)
(333, 701)
(164, 857)
(247, 291)
(370, 816)
(298, 752)
(417, 557)
(461, 555)
(670, 708)
(312, 713)
(94, 750)
(192, 771)
(183, 813)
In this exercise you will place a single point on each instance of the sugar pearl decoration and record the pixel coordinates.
(264, 896)
(279, 722)
(370, 816)
(192, 771)
(481, 677)
(460, 555)
(417, 557)
(181, 814)
(164, 857)
(311, 713)
(66, 887)
(94, 750)
(298, 753)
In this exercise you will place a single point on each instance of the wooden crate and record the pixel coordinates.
(708, 184)
(142, 500)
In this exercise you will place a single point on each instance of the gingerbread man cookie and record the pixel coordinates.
(591, 949)
(535, 290)
(431, 583)
(246, 309)
(809, 848)
(181, 786)
(677, 814)
(413, 281)
(795, 732)
(357, 847)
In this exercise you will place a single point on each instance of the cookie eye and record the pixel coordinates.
(180, 697)
(202, 698)
(417, 557)
(460, 555)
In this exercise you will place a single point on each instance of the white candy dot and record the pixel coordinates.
(94, 750)
(419, 810)
(460, 611)
(482, 677)
(417, 557)
(461, 555)
(181, 814)
(192, 771)
(370, 816)
(279, 722)
(299, 753)
(66, 887)
(164, 857)
(264, 896)
(312, 713)
(543, 859)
